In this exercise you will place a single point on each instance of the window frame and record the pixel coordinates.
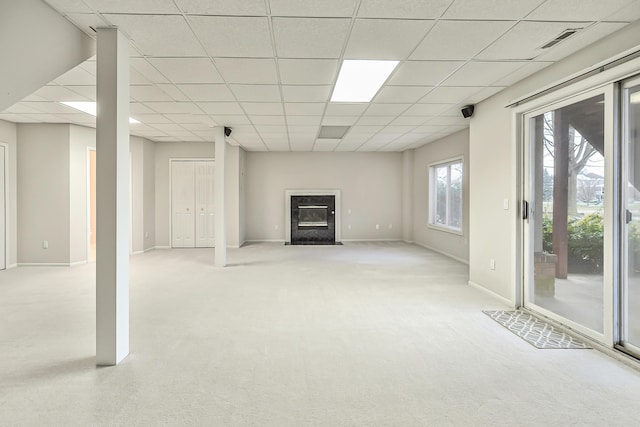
(432, 199)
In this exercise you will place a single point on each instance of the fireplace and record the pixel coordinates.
(312, 217)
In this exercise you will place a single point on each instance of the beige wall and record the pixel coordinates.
(370, 184)
(136, 146)
(81, 138)
(493, 165)
(149, 194)
(8, 135)
(43, 193)
(454, 245)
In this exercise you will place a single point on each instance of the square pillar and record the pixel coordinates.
(220, 225)
(112, 198)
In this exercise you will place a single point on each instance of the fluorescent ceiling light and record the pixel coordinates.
(89, 108)
(360, 80)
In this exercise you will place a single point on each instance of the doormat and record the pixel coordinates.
(534, 331)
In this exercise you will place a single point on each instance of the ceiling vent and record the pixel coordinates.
(333, 132)
(563, 36)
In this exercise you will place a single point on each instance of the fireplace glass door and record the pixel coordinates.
(312, 216)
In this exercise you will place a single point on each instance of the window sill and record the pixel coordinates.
(445, 229)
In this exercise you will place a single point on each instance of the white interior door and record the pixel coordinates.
(3, 216)
(204, 193)
(182, 204)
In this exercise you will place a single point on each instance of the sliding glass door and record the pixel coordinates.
(630, 289)
(564, 212)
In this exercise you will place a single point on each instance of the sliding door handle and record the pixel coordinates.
(525, 209)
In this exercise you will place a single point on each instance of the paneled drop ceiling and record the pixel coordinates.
(267, 68)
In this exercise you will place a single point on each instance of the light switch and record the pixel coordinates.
(505, 204)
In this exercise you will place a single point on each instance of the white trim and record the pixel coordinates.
(431, 186)
(76, 263)
(311, 192)
(161, 247)
(148, 249)
(410, 242)
(464, 261)
(6, 204)
(500, 298)
(46, 264)
(445, 229)
(371, 240)
(137, 253)
(242, 243)
(264, 241)
(12, 266)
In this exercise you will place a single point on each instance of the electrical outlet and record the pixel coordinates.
(349, 226)
(377, 226)
(146, 234)
(277, 226)
(492, 264)
(45, 244)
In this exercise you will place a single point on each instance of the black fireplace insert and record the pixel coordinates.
(313, 220)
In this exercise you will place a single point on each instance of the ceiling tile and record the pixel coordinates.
(580, 40)
(313, 8)
(344, 108)
(43, 107)
(76, 76)
(184, 119)
(306, 93)
(59, 93)
(448, 121)
(159, 35)
(26, 108)
(423, 73)
(408, 121)
(375, 120)
(263, 108)
(69, 6)
(459, 39)
(401, 94)
(450, 95)
(628, 13)
(207, 93)
(310, 37)
(521, 73)
(247, 70)
(394, 39)
(256, 93)
(524, 41)
(304, 130)
(386, 109)
(135, 78)
(85, 21)
(168, 127)
(187, 70)
(149, 71)
(152, 118)
(148, 93)
(426, 109)
(174, 107)
(369, 130)
(576, 10)
(491, 9)
(304, 109)
(232, 120)
(307, 71)
(484, 94)
(407, 9)
(173, 92)
(304, 120)
(267, 120)
(159, 7)
(219, 108)
(482, 73)
(234, 36)
(223, 7)
(340, 120)
(137, 108)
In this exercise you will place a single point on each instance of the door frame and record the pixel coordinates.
(179, 159)
(606, 79)
(5, 193)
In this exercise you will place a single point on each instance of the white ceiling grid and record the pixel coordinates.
(267, 67)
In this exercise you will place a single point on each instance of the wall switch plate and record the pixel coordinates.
(45, 244)
(492, 264)
(505, 204)
(377, 226)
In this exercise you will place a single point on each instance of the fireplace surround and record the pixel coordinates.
(312, 217)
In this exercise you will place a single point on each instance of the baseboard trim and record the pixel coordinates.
(12, 266)
(370, 240)
(74, 264)
(162, 247)
(464, 261)
(411, 242)
(45, 264)
(500, 298)
(263, 241)
(137, 252)
(148, 249)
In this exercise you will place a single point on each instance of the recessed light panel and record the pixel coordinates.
(89, 108)
(360, 80)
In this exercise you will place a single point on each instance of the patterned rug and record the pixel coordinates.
(534, 331)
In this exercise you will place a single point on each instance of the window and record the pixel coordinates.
(445, 196)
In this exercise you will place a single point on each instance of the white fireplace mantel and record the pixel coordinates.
(313, 192)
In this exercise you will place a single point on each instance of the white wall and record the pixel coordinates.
(370, 184)
(493, 164)
(43, 193)
(454, 245)
(81, 138)
(8, 135)
(32, 35)
(149, 194)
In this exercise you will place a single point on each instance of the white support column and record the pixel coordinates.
(112, 194)
(220, 217)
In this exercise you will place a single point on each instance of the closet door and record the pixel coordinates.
(182, 204)
(204, 204)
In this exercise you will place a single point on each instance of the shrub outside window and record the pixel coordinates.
(445, 195)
